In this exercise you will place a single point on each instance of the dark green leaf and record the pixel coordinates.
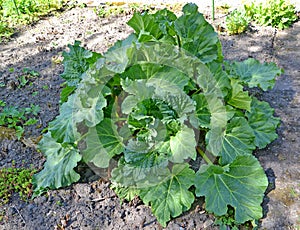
(103, 142)
(255, 74)
(237, 140)
(76, 62)
(262, 122)
(240, 184)
(239, 98)
(197, 36)
(202, 111)
(171, 197)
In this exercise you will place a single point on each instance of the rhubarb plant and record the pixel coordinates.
(154, 105)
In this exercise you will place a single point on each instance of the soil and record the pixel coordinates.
(90, 204)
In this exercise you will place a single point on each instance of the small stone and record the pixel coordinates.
(207, 223)
(82, 190)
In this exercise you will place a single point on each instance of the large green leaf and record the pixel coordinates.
(80, 107)
(170, 77)
(145, 26)
(255, 74)
(262, 122)
(236, 140)
(171, 197)
(183, 145)
(197, 36)
(103, 142)
(239, 98)
(63, 128)
(59, 168)
(143, 165)
(240, 184)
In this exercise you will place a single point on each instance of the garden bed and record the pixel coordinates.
(90, 204)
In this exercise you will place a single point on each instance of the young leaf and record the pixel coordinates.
(239, 98)
(255, 74)
(183, 145)
(59, 168)
(237, 140)
(202, 111)
(171, 197)
(76, 62)
(103, 142)
(240, 184)
(262, 122)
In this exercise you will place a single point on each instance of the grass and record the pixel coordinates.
(16, 13)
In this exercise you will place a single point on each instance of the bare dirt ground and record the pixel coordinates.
(90, 204)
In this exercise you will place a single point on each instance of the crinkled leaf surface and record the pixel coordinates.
(146, 170)
(103, 142)
(239, 98)
(76, 62)
(197, 36)
(262, 122)
(240, 184)
(79, 107)
(63, 128)
(236, 140)
(171, 197)
(183, 145)
(255, 74)
(59, 168)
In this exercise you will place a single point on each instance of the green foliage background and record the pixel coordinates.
(14, 13)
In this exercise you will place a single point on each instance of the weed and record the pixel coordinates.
(15, 179)
(276, 13)
(237, 22)
(15, 118)
(45, 87)
(35, 93)
(2, 103)
(22, 81)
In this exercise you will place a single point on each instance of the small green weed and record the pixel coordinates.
(15, 118)
(26, 78)
(223, 8)
(237, 22)
(15, 179)
(228, 222)
(45, 87)
(2, 103)
(276, 13)
(115, 9)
